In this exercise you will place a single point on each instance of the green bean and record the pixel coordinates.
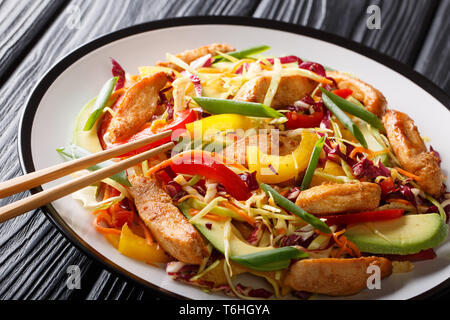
(270, 260)
(355, 110)
(343, 118)
(241, 54)
(76, 152)
(293, 208)
(312, 163)
(100, 103)
(219, 106)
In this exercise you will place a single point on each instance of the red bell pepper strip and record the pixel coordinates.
(343, 93)
(298, 120)
(203, 164)
(188, 116)
(387, 186)
(367, 216)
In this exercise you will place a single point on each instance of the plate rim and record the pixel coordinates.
(41, 87)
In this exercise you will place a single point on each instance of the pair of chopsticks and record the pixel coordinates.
(40, 177)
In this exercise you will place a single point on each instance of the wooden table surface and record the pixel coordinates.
(34, 34)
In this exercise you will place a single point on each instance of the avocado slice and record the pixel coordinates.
(215, 235)
(406, 235)
(86, 139)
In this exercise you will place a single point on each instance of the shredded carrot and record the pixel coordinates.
(359, 150)
(284, 192)
(281, 231)
(240, 212)
(147, 234)
(408, 174)
(345, 245)
(103, 216)
(209, 216)
(209, 70)
(400, 201)
(377, 153)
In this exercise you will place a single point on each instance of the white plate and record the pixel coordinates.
(51, 110)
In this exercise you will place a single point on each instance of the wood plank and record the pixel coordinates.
(398, 38)
(434, 58)
(34, 256)
(21, 24)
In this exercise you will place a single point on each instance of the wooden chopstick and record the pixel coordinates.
(39, 199)
(37, 178)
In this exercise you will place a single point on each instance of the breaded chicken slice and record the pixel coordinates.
(167, 224)
(190, 55)
(340, 198)
(335, 277)
(412, 153)
(290, 89)
(137, 107)
(373, 99)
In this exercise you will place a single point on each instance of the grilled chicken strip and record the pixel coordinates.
(373, 99)
(340, 198)
(290, 89)
(167, 224)
(412, 153)
(190, 55)
(237, 150)
(335, 277)
(137, 107)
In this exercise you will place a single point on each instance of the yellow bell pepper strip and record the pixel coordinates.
(294, 209)
(220, 106)
(312, 163)
(133, 246)
(277, 169)
(211, 125)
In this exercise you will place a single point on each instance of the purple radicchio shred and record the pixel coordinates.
(313, 67)
(317, 106)
(334, 153)
(302, 294)
(293, 194)
(407, 194)
(287, 59)
(367, 169)
(118, 71)
(436, 154)
(200, 189)
(208, 225)
(273, 169)
(298, 239)
(197, 84)
(326, 120)
(254, 293)
(185, 273)
(240, 70)
(250, 180)
(175, 191)
(256, 234)
(202, 62)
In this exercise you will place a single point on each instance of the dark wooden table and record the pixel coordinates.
(34, 34)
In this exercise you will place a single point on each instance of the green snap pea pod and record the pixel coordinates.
(77, 152)
(100, 103)
(312, 163)
(343, 118)
(293, 208)
(219, 106)
(270, 260)
(355, 110)
(241, 54)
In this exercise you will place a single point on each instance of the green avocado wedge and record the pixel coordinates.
(257, 258)
(406, 235)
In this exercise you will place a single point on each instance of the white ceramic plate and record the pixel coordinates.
(51, 110)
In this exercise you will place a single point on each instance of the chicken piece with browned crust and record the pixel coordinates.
(412, 153)
(372, 99)
(137, 107)
(340, 198)
(290, 89)
(168, 225)
(335, 277)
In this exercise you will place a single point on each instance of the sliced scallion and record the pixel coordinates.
(312, 163)
(241, 54)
